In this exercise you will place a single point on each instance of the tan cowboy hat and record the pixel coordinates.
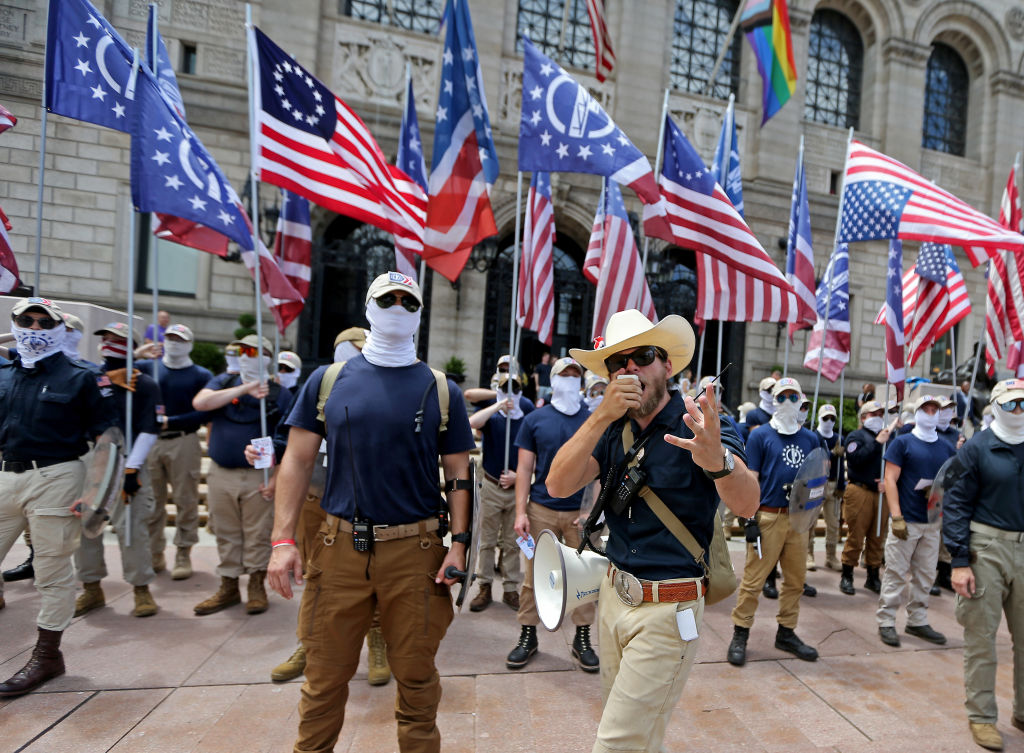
(631, 329)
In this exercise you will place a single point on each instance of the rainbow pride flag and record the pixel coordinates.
(766, 24)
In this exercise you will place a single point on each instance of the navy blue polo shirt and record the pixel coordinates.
(639, 542)
(370, 428)
(776, 458)
(493, 445)
(756, 417)
(543, 433)
(233, 426)
(917, 460)
(178, 387)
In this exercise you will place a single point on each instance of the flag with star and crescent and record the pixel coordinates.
(88, 66)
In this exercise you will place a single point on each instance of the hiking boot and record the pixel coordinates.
(737, 655)
(810, 590)
(527, 647)
(926, 633)
(846, 581)
(888, 636)
(182, 564)
(985, 735)
(511, 599)
(769, 589)
(787, 640)
(482, 600)
(811, 565)
(831, 561)
(256, 595)
(873, 582)
(935, 590)
(377, 670)
(91, 598)
(291, 667)
(145, 606)
(24, 571)
(45, 663)
(582, 650)
(159, 562)
(227, 596)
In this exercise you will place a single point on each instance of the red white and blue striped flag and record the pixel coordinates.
(836, 326)
(1004, 331)
(7, 119)
(602, 39)
(293, 250)
(536, 270)
(895, 372)
(8, 264)
(800, 255)
(410, 159)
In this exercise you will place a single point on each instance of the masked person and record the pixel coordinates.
(983, 527)
(240, 505)
(945, 427)
(593, 390)
(349, 343)
(289, 369)
(775, 453)
(829, 431)
(231, 359)
(50, 407)
(861, 501)
(762, 414)
(541, 435)
(176, 458)
(950, 433)
(648, 643)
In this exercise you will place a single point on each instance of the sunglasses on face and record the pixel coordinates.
(640, 356)
(1012, 405)
(25, 321)
(780, 399)
(388, 300)
(503, 369)
(830, 419)
(247, 350)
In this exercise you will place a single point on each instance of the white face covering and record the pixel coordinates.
(177, 354)
(1009, 427)
(345, 351)
(517, 410)
(945, 416)
(36, 344)
(233, 365)
(767, 402)
(874, 424)
(924, 426)
(786, 419)
(390, 342)
(593, 402)
(565, 394)
(249, 368)
(826, 428)
(288, 379)
(986, 421)
(802, 416)
(70, 346)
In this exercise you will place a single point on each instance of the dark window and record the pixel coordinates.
(945, 101)
(542, 22)
(176, 266)
(188, 58)
(835, 69)
(698, 30)
(414, 15)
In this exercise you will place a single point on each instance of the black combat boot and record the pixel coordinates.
(769, 589)
(737, 655)
(583, 651)
(873, 582)
(846, 580)
(787, 640)
(24, 571)
(527, 647)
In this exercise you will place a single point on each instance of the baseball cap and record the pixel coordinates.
(503, 380)
(923, 400)
(563, 363)
(181, 331)
(394, 282)
(946, 401)
(42, 304)
(254, 342)
(289, 359)
(766, 384)
(1006, 390)
(827, 410)
(786, 383)
(870, 407)
(70, 320)
(118, 329)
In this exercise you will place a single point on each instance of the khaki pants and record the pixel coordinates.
(41, 500)
(136, 560)
(175, 461)
(909, 566)
(860, 509)
(779, 543)
(498, 518)
(998, 565)
(244, 519)
(561, 524)
(644, 666)
(342, 589)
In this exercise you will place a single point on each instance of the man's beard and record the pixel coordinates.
(654, 391)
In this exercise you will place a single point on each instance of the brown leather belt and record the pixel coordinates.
(390, 533)
(866, 487)
(491, 478)
(655, 591)
(779, 510)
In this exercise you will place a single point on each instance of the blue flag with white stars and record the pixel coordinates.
(172, 172)
(88, 66)
(410, 145)
(933, 260)
(838, 271)
(726, 164)
(160, 62)
(872, 210)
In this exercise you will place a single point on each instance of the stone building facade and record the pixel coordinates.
(938, 85)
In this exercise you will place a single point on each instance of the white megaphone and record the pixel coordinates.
(562, 579)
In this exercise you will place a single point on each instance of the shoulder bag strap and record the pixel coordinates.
(326, 385)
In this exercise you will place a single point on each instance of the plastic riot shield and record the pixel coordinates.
(947, 475)
(807, 492)
(102, 482)
(473, 550)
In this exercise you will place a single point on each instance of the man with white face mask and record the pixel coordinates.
(595, 387)
(912, 549)
(829, 431)
(349, 343)
(944, 423)
(289, 369)
(762, 414)
(176, 457)
(983, 528)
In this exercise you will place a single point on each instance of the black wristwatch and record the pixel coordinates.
(728, 465)
(462, 538)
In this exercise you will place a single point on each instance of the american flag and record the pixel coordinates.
(885, 199)
(293, 250)
(800, 254)
(725, 167)
(313, 144)
(836, 323)
(616, 270)
(1005, 296)
(895, 373)
(7, 119)
(410, 159)
(536, 269)
(602, 39)
(465, 163)
(8, 264)
(737, 280)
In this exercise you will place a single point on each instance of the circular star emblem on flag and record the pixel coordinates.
(299, 99)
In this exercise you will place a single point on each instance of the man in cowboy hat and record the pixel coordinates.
(642, 686)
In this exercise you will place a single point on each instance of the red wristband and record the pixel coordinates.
(282, 542)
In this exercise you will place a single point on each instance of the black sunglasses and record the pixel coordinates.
(388, 300)
(25, 321)
(640, 356)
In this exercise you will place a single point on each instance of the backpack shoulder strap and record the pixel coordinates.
(443, 398)
(326, 385)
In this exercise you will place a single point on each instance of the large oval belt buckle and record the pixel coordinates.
(628, 589)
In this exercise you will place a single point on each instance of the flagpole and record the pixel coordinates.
(657, 167)
(513, 365)
(885, 413)
(700, 351)
(718, 360)
(970, 390)
(130, 361)
(565, 23)
(796, 193)
(39, 197)
(785, 357)
(154, 241)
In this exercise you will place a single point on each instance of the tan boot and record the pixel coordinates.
(182, 564)
(91, 598)
(227, 596)
(987, 736)
(831, 561)
(145, 606)
(482, 600)
(378, 671)
(256, 598)
(159, 562)
(291, 667)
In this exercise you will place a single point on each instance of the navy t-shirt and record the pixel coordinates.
(543, 433)
(178, 387)
(917, 460)
(543, 372)
(776, 458)
(396, 479)
(234, 425)
(493, 444)
(756, 417)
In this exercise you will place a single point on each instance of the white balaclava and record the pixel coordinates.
(924, 426)
(36, 344)
(945, 416)
(1009, 427)
(786, 419)
(249, 367)
(874, 424)
(177, 354)
(345, 351)
(70, 345)
(390, 342)
(517, 410)
(565, 394)
(767, 402)
(288, 379)
(986, 420)
(826, 428)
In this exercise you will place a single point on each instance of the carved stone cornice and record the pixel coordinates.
(1007, 82)
(895, 50)
(799, 19)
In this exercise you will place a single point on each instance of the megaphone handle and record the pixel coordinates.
(453, 572)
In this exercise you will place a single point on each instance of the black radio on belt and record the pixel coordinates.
(628, 490)
(362, 533)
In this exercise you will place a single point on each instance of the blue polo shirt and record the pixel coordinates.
(917, 460)
(178, 387)
(756, 417)
(776, 458)
(234, 425)
(493, 444)
(543, 433)
(370, 430)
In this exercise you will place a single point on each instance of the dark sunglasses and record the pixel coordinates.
(1012, 405)
(388, 300)
(247, 350)
(830, 419)
(780, 399)
(25, 321)
(641, 357)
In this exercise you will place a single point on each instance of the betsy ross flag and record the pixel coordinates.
(8, 264)
(465, 163)
(410, 160)
(293, 251)
(895, 373)
(602, 39)
(800, 254)
(832, 318)
(313, 144)
(536, 269)
(1004, 298)
(7, 119)
(613, 263)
